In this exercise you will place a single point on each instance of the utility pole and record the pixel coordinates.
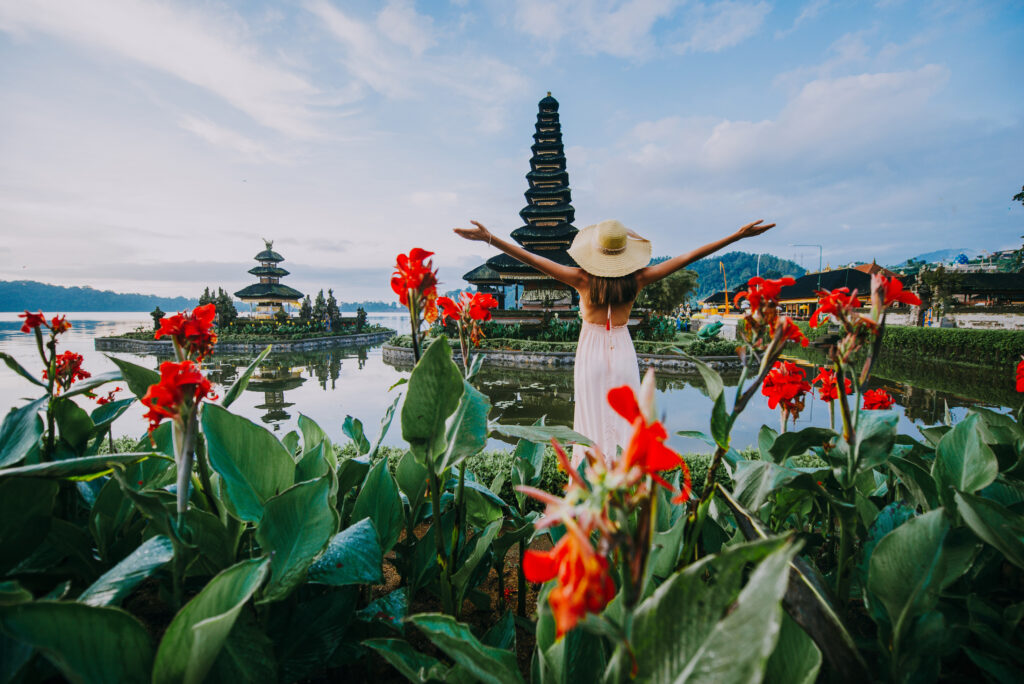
(819, 259)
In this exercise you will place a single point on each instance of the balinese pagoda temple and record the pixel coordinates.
(268, 296)
(547, 229)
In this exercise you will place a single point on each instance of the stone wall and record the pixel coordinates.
(166, 347)
(976, 320)
(559, 360)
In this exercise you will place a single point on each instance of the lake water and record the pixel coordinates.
(328, 385)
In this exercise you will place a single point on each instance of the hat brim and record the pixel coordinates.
(584, 252)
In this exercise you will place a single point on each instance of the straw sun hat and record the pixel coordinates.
(610, 250)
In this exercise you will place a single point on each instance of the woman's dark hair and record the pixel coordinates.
(613, 291)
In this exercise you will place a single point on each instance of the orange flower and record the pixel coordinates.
(761, 290)
(840, 302)
(891, 290)
(180, 384)
(414, 274)
(877, 400)
(193, 332)
(584, 585)
(59, 324)
(32, 321)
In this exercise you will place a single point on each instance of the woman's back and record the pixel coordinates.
(604, 298)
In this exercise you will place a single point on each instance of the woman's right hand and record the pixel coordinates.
(480, 233)
(752, 229)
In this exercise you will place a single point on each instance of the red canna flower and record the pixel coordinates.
(100, 401)
(468, 310)
(840, 302)
(180, 384)
(646, 449)
(891, 290)
(1020, 375)
(32, 321)
(759, 289)
(192, 332)
(791, 332)
(59, 324)
(67, 369)
(584, 584)
(785, 385)
(414, 274)
(829, 390)
(877, 399)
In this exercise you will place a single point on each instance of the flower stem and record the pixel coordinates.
(447, 603)
(414, 324)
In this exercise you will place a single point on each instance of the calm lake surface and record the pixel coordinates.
(328, 385)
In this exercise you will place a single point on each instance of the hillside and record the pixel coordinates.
(29, 295)
(739, 268)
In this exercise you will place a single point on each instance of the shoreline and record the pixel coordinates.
(122, 344)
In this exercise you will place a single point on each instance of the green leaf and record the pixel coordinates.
(875, 436)
(435, 388)
(541, 434)
(85, 468)
(252, 463)
(353, 427)
(688, 630)
(138, 378)
(712, 380)
(793, 443)
(17, 368)
(697, 434)
(910, 567)
(963, 461)
(385, 424)
(247, 656)
(479, 546)
(92, 383)
(413, 665)
(353, 556)
(87, 644)
(486, 663)
(913, 474)
(25, 518)
(411, 476)
(21, 430)
(720, 422)
(756, 480)
(312, 434)
(291, 442)
(313, 464)
(765, 439)
(379, 501)
(994, 524)
(296, 526)
(102, 416)
(74, 424)
(466, 432)
(239, 385)
(121, 579)
(195, 636)
(795, 660)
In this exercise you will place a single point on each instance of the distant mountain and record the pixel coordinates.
(945, 255)
(739, 268)
(22, 295)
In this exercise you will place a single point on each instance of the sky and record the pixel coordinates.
(147, 146)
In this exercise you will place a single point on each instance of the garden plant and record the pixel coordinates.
(213, 550)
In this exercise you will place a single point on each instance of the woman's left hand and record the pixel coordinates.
(752, 229)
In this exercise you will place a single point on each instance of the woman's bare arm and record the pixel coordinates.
(573, 277)
(651, 274)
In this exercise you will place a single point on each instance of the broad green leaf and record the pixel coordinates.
(353, 428)
(466, 431)
(73, 423)
(137, 377)
(17, 368)
(252, 463)
(435, 388)
(307, 634)
(579, 656)
(666, 548)
(963, 461)
(756, 480)
(92, 383)
(688, 630)
(102, 416)
(933, 435)
(379, 501)
(21, 430)
(795, 660)
(296, 526)
(247, 656)
(414, 666)
(486, 663)
(313, 464)
(385, 424)
(155, 506)
(291, 442)
(765, 439)
(479, 546)
(712, 380)
(914, 475)
(313, 434)
(995, 524)
(85, 468)
(351, 472)
(481, 507)
(195, 636)
(720, 422)
(793, 443)
(25, 518)
(88, 644)
(541, 434)
(411, 476)
(121, 579)
(239, 385)
(874, 439)
(353, 556)
(910, 567)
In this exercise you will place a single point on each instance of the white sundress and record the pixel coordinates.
(605, 359)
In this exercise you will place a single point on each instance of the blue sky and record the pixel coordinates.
(147, 146)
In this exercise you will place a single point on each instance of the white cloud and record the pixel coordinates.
(807, 12)
(208, 50)
(713, 28)
(614, 27)
(393, 58)
(228, 139)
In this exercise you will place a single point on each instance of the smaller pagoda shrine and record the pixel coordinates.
(268, 296)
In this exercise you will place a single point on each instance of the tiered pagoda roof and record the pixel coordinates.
(548, 215)
(269, 293)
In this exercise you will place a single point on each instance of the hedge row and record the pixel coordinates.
(696, 348)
